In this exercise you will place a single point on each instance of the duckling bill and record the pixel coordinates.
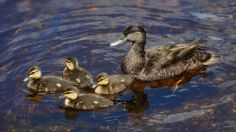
(85, 101)
(112, 84)
(161, 62)
(48, 84)
(73, 72)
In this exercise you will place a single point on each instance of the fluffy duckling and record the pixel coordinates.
(112, 84)
(84, 101)
(73, 72)
(160, 62)
(48, 84)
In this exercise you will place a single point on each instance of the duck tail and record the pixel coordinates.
(200, 43)
(213, 60)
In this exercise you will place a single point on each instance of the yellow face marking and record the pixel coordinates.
(101, 90)
(71, 95)
(103, 81)
(35, 74)
(70, 65)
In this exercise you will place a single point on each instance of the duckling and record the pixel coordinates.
(84, 101)
(48, 84)
(73, 72)
(112, 84)
(160, 62)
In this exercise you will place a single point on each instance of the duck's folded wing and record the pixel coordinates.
(177, 53)
(163, 56)
(92, 101)
(162, 68)
(159, 73)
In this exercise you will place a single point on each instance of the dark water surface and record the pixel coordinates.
(44, 32)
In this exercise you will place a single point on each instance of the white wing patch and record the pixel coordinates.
(95, 102)
(84, 107)
(46, 89)
(78, 80)
(58, 85)
(87, 76)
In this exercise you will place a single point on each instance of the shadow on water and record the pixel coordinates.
(44, 33)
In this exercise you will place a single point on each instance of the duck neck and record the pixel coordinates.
(33, 83)
(138, 47)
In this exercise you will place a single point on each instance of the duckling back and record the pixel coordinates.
(90, 102)
(80, 76)
(50, 84)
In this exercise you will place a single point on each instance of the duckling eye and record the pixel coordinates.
(67, 61)
(68, 92)
(102, 78)
(32, 72)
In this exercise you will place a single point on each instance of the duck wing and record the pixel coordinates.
(163, 56)
(80, 76)
(52, 84)
(91, 102)
(172, 60)
(169, 53)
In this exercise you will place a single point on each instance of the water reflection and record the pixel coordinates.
(138, 103)
(69, 113)
(35, 96)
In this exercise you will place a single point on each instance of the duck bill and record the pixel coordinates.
(62, 97)
(26, 79)
(118, 42)
(94, 86)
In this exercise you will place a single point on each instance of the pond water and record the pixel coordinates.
(45, 32)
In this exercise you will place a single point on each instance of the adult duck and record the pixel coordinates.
(160, 62)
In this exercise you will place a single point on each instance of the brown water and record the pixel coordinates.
(45, 32)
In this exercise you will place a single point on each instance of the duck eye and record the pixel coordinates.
(32, 72)
(68, 92)
(99, 79)
(67, 61)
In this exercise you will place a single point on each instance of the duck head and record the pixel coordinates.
(71, 63)
(134, 34)
(102, 79)
(71, 93)
(33, 73)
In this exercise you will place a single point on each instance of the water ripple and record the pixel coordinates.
(44, 33)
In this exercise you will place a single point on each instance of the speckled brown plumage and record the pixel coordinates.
(161, 62)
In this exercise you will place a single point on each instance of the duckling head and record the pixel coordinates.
(71, 63)
(71, 93)
(33, 73)
(102, 79)
(133, 34)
